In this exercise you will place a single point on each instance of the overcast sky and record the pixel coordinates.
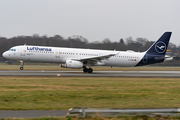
(95, 20)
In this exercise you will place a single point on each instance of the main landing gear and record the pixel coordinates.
(22, 64)
(89, 70)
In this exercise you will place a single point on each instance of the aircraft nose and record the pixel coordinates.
(5, 54)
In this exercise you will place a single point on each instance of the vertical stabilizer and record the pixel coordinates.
(156, 53)
(160, 46)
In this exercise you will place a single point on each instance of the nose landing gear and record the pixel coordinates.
(22, 64)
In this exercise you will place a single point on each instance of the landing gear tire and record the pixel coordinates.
(21, 68)
(85, 70)
(90, 70)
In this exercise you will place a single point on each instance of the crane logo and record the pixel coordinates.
(160, 47)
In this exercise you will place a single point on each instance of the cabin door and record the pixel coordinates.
(145, 58)
(57, 53)
(23, 51)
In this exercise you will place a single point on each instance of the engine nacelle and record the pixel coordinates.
(72, 64)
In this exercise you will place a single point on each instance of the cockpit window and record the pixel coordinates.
(12, 49)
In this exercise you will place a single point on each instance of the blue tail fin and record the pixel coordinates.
(156, 53)
(160, 46)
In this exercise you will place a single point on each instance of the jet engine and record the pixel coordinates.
(72, 64)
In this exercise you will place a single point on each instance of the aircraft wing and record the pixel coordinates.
(95, 59)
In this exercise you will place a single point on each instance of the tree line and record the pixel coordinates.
(139, 44)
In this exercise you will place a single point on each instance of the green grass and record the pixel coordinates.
(53, 93)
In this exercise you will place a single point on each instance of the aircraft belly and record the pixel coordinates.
(121, 62)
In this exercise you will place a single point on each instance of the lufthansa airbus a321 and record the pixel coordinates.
(86, 58)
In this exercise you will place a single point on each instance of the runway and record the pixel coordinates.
(32, 113)
(171, 74)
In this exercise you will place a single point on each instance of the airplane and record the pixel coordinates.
(82, 58)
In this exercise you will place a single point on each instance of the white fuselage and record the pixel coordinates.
(60, 55)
